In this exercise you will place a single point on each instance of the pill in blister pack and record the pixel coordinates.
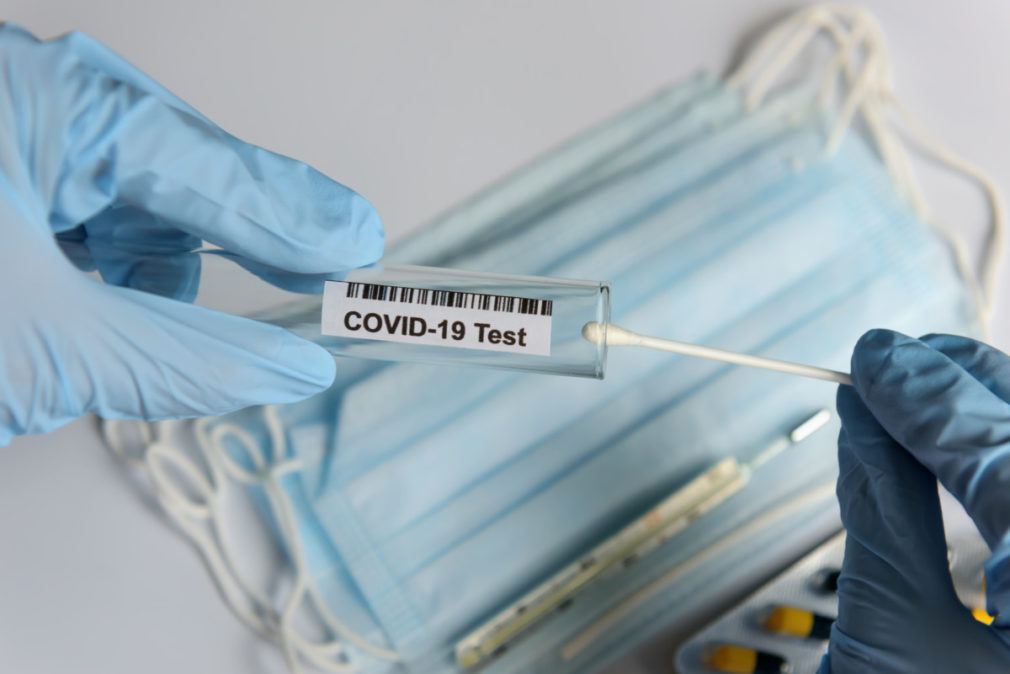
(786, 625)
(797, 622)
(742, 660)
(783, 627)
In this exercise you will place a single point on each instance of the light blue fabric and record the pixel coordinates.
(94, 151)
(921, 410)
(442, 494)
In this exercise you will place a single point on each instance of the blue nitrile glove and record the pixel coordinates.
(918, 411)
(92, 149)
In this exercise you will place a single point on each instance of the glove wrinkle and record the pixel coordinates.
(96, 150)
(918, 411)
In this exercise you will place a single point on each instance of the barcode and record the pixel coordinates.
(450, 298)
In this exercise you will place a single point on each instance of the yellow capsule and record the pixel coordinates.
(789, 620)
(797, 622)
(979, 613)
(982, 616)
(734, 659)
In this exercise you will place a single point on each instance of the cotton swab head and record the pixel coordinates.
(613, 335)
(594, 332)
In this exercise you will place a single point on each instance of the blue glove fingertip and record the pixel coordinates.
(851, 408)
(309, 364)
(876, 356)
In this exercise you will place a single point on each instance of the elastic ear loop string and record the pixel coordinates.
(221, 549)
(879, 94)
(193, 518)
(187, 515)
(111, 431)
(862, 86)
(874, 86)
(847, 39)
(805, 23)
(808, 25)
(871, 91)
(281, 507)
(292, 643)
(277, 433)
(981, 283)
(211, 445)
(994, 253)
(763, 49)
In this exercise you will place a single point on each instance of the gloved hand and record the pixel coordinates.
(918, 411)
(92, 149)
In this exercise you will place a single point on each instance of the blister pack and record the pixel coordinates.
(785, 625)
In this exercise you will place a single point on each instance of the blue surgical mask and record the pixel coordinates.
(426, 498)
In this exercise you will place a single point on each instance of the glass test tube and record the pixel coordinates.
(445, 316)
(393, 313)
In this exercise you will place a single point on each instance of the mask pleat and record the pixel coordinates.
(445, 492)
(623, 202)
(456, 231)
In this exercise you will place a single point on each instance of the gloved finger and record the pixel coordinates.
(123, 145)
(954, 425)
(304, 284)
(895, 585)
(152, 258)
(245, 199)
(134, 249)
(948, 419)
(896, 551)
(988, 365)
(170, 275)
(137, 355)
(96, 55)
(72, 243)
(991, 367)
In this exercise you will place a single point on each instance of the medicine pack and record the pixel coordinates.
(784, 626)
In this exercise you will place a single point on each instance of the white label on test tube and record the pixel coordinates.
(437, 317)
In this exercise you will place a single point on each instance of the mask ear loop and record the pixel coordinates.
(197, 521)
(193, 500)
(193, 516)
(764, 48)
(982, 283)
(112, 432)
(870, 94)
(329, 655)
(284, 511)
(994, 250)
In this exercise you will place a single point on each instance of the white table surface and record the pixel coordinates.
(416, 105)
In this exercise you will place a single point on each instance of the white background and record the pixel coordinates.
(415, 105)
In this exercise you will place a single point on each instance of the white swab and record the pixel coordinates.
(618, 336)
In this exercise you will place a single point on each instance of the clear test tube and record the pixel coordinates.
(446, 316)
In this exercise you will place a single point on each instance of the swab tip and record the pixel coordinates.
(594, 332)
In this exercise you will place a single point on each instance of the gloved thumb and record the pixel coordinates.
(895, 569)
(128, 354)
(945, 400)
(895, 591)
